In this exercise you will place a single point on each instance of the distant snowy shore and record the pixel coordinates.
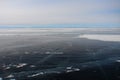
(101, 37)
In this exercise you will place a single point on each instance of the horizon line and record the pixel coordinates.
(92, 25)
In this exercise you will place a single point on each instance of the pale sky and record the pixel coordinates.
(59, 11)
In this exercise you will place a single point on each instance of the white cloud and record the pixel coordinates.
(55, 11)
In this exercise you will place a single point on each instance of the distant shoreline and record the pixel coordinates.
(56, 27)
(61, 25)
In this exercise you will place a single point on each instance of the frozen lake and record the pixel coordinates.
(49, 53)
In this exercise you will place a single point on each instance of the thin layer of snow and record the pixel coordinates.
(69, 67)
(10, 76)
(8, 67)
(76, 69)
(1, 78)
(68, 71)
(37, 74)
(118, 61)
(21, 65)
(32, 66)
